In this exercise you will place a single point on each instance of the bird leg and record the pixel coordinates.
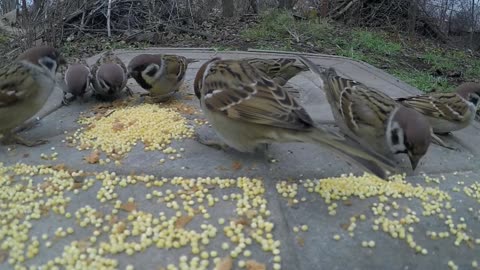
(436, 140)
(33, 122)
(129, 91)
(11, 138)
(66, 100)
(212, 143)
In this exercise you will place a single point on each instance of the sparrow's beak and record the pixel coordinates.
(414, 160)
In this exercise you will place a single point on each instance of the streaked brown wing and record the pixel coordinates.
(241, 92)
(14, 84)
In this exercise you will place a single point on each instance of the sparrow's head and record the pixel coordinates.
(111, 78)
(409, 132)
(77, 78)
(146, 68)
(470, 91)
(201, 74)
(44, 56)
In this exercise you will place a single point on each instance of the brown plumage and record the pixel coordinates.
(77, 79)
(374, 118)
(280, 70)
(25, 86)
(247, 109)
(160, 74)
(447, 112)
(102, 90)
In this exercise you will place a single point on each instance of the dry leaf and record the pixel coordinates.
(93, 158)
(182, 221)
(118, 126)
(243, 220)
(225, 263)
(254, 265)
(121, 227)
(344, 226)
(77, 185)
(301, 241)
(348, 203)
(128, 206)
(236, 165)
(26, 155)
(113, 220)
(60, 167)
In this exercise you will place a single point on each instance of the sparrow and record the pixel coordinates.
(447, 112)
(248, 110)
(374, 118)
(160, 74)
(25, 86)
(280, 70)
(77, 80)
(113, 78)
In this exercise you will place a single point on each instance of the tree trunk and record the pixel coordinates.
(254, 6)
(472, 27)
(24, 7)
(412, 17)
(228, 9)
(324, 8)
(286, 4)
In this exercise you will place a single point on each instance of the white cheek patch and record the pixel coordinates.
(475, 100)
(395, 138)
(49, 64)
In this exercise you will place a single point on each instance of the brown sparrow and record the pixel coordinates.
(161, 75)
(25, 86)
(113, 77)
(374, 118)
(77, 80)
(248, 110)
(280, 70)
(447, 112)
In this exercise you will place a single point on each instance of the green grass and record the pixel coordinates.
(367, 46)
(442, 60)
(3, 38)
(422, 64)
(423, 80)
(281, 27)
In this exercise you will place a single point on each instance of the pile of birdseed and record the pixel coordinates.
(119, 130)
(203, 223)
(391, 211)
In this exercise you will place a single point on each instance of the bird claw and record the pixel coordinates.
(438, 141)
(129, 91)
(66, 101)
(16, 139)
(28, 125)
(213, 144)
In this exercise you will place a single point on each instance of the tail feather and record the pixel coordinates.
(191, 60)
(360, 155)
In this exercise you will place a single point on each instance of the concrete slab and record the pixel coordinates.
(312, 249)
